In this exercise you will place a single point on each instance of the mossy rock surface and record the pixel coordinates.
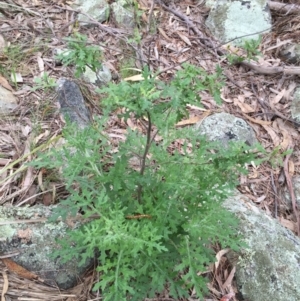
(35, 240)
(269, 268)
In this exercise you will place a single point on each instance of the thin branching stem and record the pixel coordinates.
(143, 163)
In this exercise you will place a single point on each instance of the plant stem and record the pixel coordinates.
(143, 165)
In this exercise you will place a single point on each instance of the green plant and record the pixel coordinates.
(14, 60)
(13, 55)
(251, 48)
(136, 36)
(80, 54)
(127, 63)
(234, 58)
(156, 222)
(276, 157)
(133, 7)
(44, 82)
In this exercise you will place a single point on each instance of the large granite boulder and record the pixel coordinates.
(27, 231)
(236, 20)
(269, 268)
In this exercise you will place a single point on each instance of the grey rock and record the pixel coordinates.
(236, 20)
(290, 53)
(72, 103)
(36, 241)
(97, 9)
(225, 127)
(269, 268)
(295, 105)
(123, 15)
(100, 78)
(7, 101)
(210, 3)
(58, 52)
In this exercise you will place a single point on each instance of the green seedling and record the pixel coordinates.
(45, 82)
(80, 54)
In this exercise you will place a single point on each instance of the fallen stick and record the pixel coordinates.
(289, 70)
(283, 7)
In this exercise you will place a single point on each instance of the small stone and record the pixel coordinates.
(72, 103)
(295, 105)
(7, 101)
(290, 53)
(225, 127)
(97, 9)
(99, 78)
(123, 16)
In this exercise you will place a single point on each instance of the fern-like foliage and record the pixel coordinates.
(156, 223)
(80, 54)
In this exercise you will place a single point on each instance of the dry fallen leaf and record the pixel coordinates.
(286, 133)
(286, 142)
(243, 106)
(219, 256)
(184, 39)
(17, 269)
(40, 63)
(131, 124)
(134, 78)
(47, 199)
(162, 32)
(4, 83)
(25, 235)
(260, 199)
(227, 297)
(272, 133)
(3, 44)
(194, 119)
(291, 168)
(261, 122)
(288, 224)
(189, 121)
(188, 11)
(16, 77)
(277, 98)
(228, 282)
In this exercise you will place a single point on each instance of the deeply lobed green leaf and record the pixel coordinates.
(156, 227)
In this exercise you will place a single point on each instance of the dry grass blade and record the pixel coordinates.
(23, 167)
(17, 288)
(5, 286)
